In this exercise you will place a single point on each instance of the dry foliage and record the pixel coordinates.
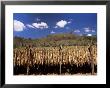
(78, 55)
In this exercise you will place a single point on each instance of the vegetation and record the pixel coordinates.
(55, 54)
(54, 60)
(55, 40)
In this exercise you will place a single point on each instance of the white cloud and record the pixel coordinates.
(40, 25)
(69, 22)
(93, 30)
(38, 19)
(87, 29)
(30, 26)
(89, 34)
(18, 26)
(55, 27)
(52, 32)
(61, 23)
(77, 30)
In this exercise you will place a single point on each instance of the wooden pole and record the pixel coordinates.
(60, 57)
(91, 60)
(28, 59)
(27, 70)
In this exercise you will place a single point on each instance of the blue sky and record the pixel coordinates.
(38, 25)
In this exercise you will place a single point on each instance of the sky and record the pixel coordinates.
(38, 25)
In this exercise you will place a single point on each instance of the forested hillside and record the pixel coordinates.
(55, 40)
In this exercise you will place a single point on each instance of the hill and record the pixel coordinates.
(55, 40)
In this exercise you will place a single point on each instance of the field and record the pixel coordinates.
(55, 60)
(55, 44)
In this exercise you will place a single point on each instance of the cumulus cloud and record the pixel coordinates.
(70, 21)
(61, 23)
(40, 25)
(30, 26)
(52, 32)
(87, 29)
(55, 27)
(18, 25)
(89, 34)
(77, 30)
